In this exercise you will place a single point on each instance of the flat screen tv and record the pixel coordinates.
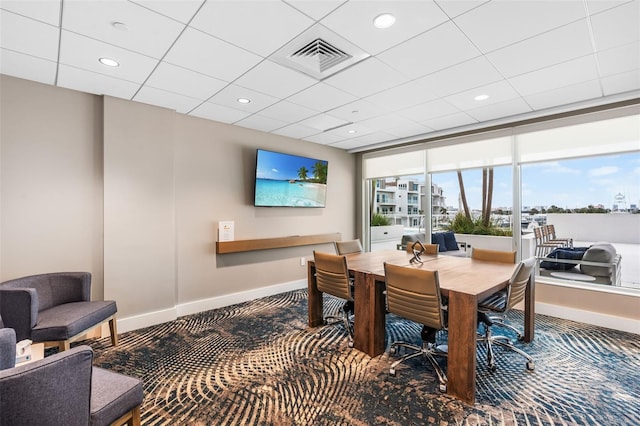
(285, 180)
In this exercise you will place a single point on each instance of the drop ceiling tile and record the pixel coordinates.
(245, 23)
(499, 110)
(498, 92)
(553, 47)
(83, 52)
(219, 113)
(296, 131)
(41, 10)
(146, 32)
(229, 97)
(351, 131)
(500, 23)
(365, 140)
(553, 77)
(323, 138)
(458, 7)
(366, 78)
(96, 83)
(565, 95)
(27, 67)
(321, 97)
(202, 53)
(617, 26)
(180, 103)
(323, 122)
(358, 111)
(387, 122)
(410, 59)
(411, 129)
(180, 10)
(275, 80)
(182, 81)
(405, 95)
(288, 111)
(457, 78)
(450, 121)
(260, 122)
(623, 82)
(619, 59)
(354, 21)
(316, 9)
(27, 36)
(427, 110)
(597, 6)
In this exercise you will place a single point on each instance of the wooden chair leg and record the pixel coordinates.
(113, 329)
(135, 418)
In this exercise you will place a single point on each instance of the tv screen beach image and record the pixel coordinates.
(285, 180)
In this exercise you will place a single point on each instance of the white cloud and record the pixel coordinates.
(274, 170)
(556, 167)
(604, 171)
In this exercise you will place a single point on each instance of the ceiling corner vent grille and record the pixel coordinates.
(316, 53)
(320, 54)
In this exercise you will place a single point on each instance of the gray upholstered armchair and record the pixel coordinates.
(54, 308)
(65, 389)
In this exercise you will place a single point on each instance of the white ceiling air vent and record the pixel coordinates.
(320, 55)
(319, 52)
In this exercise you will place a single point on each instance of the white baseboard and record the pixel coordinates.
(158, 317)
(145, 320)
(609, 321)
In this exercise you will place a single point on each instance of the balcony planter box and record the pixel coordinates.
(386, 233)
(489, 242)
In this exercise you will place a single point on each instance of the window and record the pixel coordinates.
(569, 172)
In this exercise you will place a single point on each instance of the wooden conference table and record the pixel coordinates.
(464, 280)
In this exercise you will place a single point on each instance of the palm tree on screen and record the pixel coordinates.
(320, 171)
(303, 173)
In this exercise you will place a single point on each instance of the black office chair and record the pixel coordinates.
(414, 294)
(332, 277)
(348, 247)
(492, 311)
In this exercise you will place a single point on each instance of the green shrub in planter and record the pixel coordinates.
(380, 220)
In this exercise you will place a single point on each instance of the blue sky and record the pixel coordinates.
(273, 165)
(565, 183)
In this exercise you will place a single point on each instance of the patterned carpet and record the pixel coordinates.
(258, 363)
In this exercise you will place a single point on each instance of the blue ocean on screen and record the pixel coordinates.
(289, 193)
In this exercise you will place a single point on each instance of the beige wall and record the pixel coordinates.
(168, 179)
(51, 181)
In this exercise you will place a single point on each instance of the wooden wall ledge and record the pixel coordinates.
(237, 246)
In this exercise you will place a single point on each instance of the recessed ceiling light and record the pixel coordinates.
(384, 20)
(481, 97)
(244, 100)
(109, 62)
(351, 132)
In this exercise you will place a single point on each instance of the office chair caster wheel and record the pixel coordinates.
(318, 335)
(350, 344)
(392, 372)
(493, 368)
(393, 350)
(442, 388)
(531, 366)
